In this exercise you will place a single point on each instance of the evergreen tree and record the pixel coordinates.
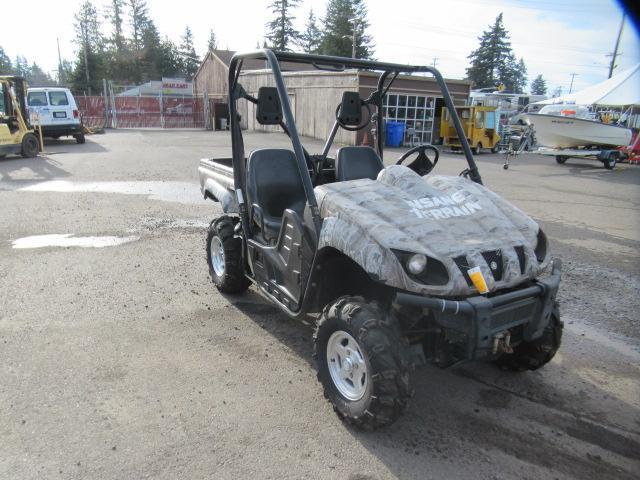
(280, 31)
(150, 56)
(190, 60)
(138, 19)
(21, 67)
(120, 62)
(493, 61)
(36, 77)
(311, 38)
(539, 86)
(212, 43)
(90, 64)
(170, 61)
(338, 32)
(6, 67)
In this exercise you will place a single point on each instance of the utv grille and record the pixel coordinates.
(463, 265)
(521, 258)
(494, 260)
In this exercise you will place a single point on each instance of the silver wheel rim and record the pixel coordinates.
(217, 256)
(347, 366)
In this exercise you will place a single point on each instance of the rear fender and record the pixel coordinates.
(218, 193)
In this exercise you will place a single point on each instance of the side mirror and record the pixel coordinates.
(350, 112)
(269, 111)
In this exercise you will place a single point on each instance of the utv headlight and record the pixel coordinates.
(422, 269)
(417, 263)
(541, 246)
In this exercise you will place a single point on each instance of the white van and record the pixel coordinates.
(57, 111)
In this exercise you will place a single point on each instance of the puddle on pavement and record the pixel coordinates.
(177, 192)
(68, 240)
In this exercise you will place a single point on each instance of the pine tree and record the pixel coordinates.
(36, 77)
(170, 61)
(212, 43)
(493, 61)
(115, 11)
(311, 38)
(280, 31)
(6, 67)
(338, 32)
(539, 86)
(138, 19)
(90, 64)
(190, 60)
(120, 61)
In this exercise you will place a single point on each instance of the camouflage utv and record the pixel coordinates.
(392, 259)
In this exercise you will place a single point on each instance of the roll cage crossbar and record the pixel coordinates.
(330, 63)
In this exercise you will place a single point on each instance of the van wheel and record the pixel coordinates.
(224, 256)
(79, 138)
(561, 159)
(362, 361)
(30, 146)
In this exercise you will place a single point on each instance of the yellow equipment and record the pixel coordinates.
(480, 125)
(16, 136)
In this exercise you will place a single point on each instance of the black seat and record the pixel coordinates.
(274, 185)
(354, 163)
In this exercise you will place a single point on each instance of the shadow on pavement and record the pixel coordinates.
(476, 414)
(42, 168)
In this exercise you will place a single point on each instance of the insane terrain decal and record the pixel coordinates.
(444, 206)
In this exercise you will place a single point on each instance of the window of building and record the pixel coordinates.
(416, 111)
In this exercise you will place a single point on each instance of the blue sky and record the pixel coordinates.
(555, 37)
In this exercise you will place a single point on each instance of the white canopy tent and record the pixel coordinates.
(620, 90)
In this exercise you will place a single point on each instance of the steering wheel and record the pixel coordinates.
(312, 165)
(422, 165)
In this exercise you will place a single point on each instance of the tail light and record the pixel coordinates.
(76, 114)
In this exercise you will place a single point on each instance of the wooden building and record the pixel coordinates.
(414, 100)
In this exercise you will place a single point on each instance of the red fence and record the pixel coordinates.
(143, 112)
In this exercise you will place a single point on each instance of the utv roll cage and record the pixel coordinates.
(328, 63)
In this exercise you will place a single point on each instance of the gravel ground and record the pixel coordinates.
(125, 362)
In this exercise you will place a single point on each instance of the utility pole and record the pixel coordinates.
(61, 78)
(573, 75)
(612, 65)
(435, 62)
(355, 21)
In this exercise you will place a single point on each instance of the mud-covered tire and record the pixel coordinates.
(30, 146)
(230, 278)
(536, 354)
(386, 354)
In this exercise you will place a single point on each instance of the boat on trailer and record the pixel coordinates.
(571, 126)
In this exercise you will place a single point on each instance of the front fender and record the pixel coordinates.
(378, 262)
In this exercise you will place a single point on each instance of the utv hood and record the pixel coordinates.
(450, 219)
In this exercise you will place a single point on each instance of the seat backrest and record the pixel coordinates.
(274, 183)
(354, 163)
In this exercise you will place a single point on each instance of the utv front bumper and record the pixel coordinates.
(471, 328)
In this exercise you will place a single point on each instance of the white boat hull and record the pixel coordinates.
(556, 131)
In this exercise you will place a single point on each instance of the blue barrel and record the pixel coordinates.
(394, 133)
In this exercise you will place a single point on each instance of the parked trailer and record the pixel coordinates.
(609, 157)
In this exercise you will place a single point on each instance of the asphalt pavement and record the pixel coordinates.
(119, 359)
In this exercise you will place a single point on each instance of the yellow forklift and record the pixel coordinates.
(16, 135)
(480, 125)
